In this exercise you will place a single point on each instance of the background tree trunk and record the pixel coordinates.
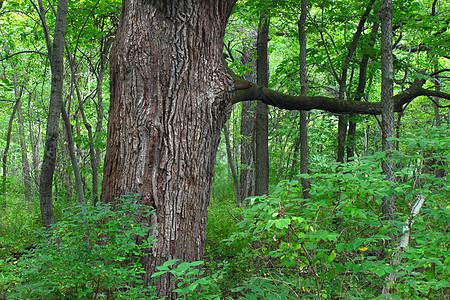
(103, 63)
(306, 184)
(25, 163)
(170, 96)
(8, 142)
(231, 166)
(437, 88)
(72, 155)
(248, 123)
(56, 54)
(34, 131)
(262, 120)
(26, 171)
(343, 119)
(387, 101)
(360, 92)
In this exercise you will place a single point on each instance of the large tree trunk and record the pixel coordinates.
(170, 96)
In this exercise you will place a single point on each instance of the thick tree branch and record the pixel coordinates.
(246, 91)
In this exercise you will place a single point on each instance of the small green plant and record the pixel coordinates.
(93, 253)
(191, 282)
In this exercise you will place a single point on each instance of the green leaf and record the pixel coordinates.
(170, 262)
(156, 274)
(283, 223)
(341, 247)
(193, 286)
(332, 256)
(183, 266)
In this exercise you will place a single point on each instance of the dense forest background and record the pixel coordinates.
(304, 205)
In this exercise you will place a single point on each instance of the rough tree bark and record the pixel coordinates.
(170, 96)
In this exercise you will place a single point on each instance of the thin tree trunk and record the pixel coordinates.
(262, 121)
(56, 54)
(34, 131)
(342, 134)
(306, 184)
(403, 243)
(231, 166)
(8, 142)
(398, 126)
(78, 181)
(26, 172)
(248, 124)
(366, 140)
(342, 124)
(283, 150)
(388, 206)
(387, 101)
(73, 157)
(295, 157)
(25, 163)
(360, 92)
(247, 174)
(104, 53)
(437, 115)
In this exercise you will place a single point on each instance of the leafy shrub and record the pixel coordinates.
(191, 282)
(336, 245)
(93, 253)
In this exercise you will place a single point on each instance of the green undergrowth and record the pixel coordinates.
(92, 253)
(18, 221)
(337, 245)
(223, 219)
